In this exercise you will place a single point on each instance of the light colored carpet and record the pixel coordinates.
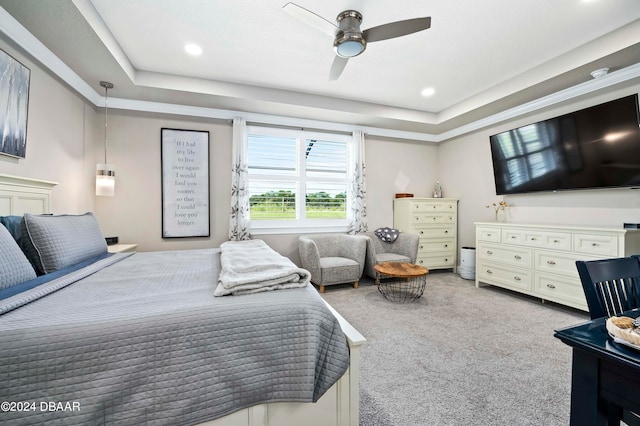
(459, 355)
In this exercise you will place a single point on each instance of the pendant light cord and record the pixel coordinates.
(106, 86)
(106, 120)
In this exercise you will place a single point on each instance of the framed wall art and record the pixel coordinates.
(185, 183)
(14, 106)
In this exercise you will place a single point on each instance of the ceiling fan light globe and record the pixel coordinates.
(347, 46)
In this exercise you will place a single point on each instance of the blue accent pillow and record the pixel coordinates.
(42, 279)
(14, 266)
(12, 223)
(53, 242)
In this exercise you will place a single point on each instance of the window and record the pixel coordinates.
(297, 180)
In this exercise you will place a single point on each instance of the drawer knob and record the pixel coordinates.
(488, 235)
(421, 247)
(446, 260)
(513, 237)
(556, 241)
(551, 286)
(489, 252)
(489, 271)
(533, 238)
(420, 261)
(594, 244)
(517, 257)
(446, 245)
(421, 232)
(434, 218)
(551, 262)
(446, 231)
(517, 278)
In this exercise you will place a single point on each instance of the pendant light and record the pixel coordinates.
(105, 174)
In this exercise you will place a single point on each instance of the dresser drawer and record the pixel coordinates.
(509, 255)
(557, 262)
(437, 245)
(433, 206)
(604, 245)
(434, 218)
(515, 278)
(437, 260)
(488, 234)
(560, 289)
(436, 232)
(535, 238)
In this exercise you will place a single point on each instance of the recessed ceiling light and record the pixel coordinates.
(193, 49)
(428, 91)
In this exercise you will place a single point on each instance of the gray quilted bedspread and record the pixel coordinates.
(144, 341)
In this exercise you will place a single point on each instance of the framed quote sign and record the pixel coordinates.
(185, 183)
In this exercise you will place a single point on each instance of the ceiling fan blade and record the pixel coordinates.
(310, 18)
(396, 29)
(337, 67)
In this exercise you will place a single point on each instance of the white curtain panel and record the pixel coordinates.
(239, 217)
(358, 187)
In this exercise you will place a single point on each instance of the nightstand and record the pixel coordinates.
(122, 248)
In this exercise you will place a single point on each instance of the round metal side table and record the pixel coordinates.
(402, 282)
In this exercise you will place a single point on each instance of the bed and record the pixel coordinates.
(140, 338)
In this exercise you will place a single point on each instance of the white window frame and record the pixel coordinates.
(299, 225)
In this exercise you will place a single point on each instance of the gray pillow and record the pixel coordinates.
(14, 266)
(388, 235)
(53, 242)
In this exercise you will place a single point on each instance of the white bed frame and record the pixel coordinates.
(339, 406)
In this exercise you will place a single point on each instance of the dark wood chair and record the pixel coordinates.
(611, 286)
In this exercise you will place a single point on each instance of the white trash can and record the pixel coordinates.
(468, 263)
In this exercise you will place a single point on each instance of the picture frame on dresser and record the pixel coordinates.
(14, 96)
(184, 157)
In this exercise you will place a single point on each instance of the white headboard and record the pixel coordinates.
(20, 195)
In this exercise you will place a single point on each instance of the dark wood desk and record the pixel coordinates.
(605, 376)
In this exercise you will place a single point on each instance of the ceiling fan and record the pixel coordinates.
(349, 40)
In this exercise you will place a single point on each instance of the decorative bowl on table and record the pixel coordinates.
(624, 330)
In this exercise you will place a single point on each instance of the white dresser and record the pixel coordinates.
(539, 260)
(435, 220)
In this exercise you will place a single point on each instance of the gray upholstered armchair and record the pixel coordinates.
(403, 249)
(333, 258)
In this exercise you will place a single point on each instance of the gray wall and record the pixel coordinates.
(466, 170)
(65, 140)
(134, 214)
(60, 133)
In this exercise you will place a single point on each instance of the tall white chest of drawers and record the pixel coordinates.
(435, 220)
(539, 260)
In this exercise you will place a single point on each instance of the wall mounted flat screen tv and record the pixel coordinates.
(597, 147)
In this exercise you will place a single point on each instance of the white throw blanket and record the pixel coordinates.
(252, 266)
